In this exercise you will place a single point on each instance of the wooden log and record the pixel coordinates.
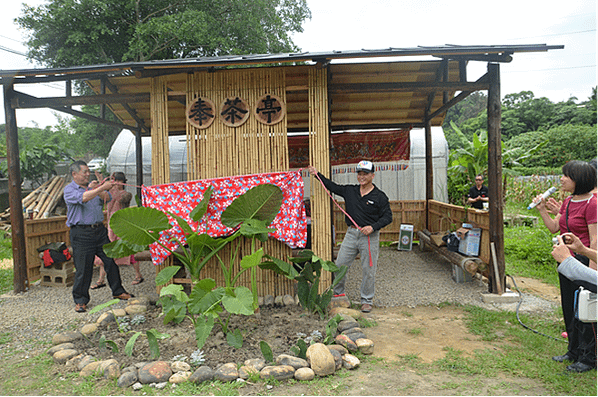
(45, 198)
(469, 264)
(55, 196)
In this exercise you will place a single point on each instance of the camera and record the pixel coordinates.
(585, 305)
(566, 240)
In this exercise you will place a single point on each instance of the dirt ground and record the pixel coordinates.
(423, 331)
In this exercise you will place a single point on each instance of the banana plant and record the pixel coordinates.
(248, 216)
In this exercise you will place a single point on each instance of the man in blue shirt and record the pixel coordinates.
(85, 216)
(368, 206)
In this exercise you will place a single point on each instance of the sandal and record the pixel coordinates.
(98, 285)
(138, 280)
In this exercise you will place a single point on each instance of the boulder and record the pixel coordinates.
(278, 372)
(226, 372)
(345, 341)
(305, 373)
(155, 372)
(320, 359)
(66, 337)
(62, 356)
(202, 374)
(295, 362)
(127, 379)
(350, 361)
(366, 346)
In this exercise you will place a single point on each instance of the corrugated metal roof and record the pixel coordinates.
(448, 51)
(393, 93)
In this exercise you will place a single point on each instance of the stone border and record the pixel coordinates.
(322, 360)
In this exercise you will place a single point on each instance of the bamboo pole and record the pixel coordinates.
(57, 195)
(44, 197)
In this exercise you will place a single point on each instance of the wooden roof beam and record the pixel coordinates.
(21, 96)
(132, 112)
(402, 87)
(24, 101)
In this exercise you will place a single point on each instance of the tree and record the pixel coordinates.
(471, 159)
(467, 109)
(83, 32)
(566, 142)
(65, 33)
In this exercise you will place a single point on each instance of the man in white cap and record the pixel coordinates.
(368, 206)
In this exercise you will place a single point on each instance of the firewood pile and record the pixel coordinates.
(41, 202)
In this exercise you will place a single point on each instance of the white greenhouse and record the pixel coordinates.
(404, 184)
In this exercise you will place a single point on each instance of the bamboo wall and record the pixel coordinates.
(319, 153)
(159, 134)
(220, 150)
(444, 217)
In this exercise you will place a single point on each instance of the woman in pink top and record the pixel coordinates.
(577, 215)
(120, 199)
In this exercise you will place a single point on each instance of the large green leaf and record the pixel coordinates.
(139, 225)
(202, 301)
(203, 328)
(253, 227)
(131, 343)
(235, 339)
(266, 351)
(240, 303)
(166, 274)
(260, 202)
(279, 266)
(252, 260)
(121, 248)
(175, 290)
(201, 208)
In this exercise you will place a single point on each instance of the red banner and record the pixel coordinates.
(352, 147)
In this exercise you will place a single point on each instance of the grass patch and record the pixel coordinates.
(6, 280)
(520, 352)
(415, 331)
(527, 253)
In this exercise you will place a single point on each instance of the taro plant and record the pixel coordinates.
(152, 335)
(248, 216)
(308, 278)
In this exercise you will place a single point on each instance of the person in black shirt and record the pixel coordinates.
(478, 193)
(368, 206)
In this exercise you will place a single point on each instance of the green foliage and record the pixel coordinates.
(37, 162)
(5, 245)
(527, 253)
(308, 279)
(520, 192)
(6, 280)
(331, 328)
(249, 214)
(471, 157)
(266, 351)
(300, 349)
(567, 142)
(68, 32)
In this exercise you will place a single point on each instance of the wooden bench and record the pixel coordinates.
(469, 264)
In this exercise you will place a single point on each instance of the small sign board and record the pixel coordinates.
(405, 238)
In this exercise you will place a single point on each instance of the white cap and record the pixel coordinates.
(366, 166)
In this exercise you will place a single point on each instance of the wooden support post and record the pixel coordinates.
(19, 257)
(495, 192)
(429, 165)
(139, 161)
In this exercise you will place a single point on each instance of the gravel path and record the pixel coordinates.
(403, 278)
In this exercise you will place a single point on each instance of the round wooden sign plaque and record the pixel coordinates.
(269, 109)
(201, 113)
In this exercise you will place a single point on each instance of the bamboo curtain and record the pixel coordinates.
(319, 154)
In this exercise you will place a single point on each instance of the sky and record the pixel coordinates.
(377, 24)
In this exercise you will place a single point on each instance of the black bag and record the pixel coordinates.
(452, 241)
(54, 253)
